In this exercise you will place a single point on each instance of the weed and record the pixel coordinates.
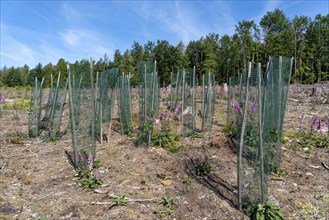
(118, 201)
(230, 130)
(96, 164)
(315, 139)
(261, 211)
(168, 202)
(187, 180)
(18, 104)
(49, 139)
(194, 135)
(18, 135)
(166, 139)
(202, 169)
(88, 179)
(279, 171)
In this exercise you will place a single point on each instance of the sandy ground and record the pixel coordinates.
(37, 180)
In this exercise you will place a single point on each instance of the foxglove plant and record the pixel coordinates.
(90, 162)
(319, 128)
(178, 108)
(161, 116)
(155, 121)
(254, 107)
(314, 119)
(80, 157)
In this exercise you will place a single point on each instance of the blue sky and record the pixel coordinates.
(45, 31)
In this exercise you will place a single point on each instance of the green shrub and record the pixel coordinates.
(202, 168)
(166, 139)
(230, 130)
(17, 104)
(87, 179)
(264, 211)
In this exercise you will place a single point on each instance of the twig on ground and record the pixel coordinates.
(127, 199)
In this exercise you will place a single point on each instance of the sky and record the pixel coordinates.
(43, 31)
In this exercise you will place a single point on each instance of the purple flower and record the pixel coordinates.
(13, 94)
(155, 121)
(313, 121)
(237, 108)
(320, 125)
(90, 162)
(178, 107)
(161, 116)
(80, 156)
(147, 118)
(2, 99)
(301, 117)
(49, 127)
(254, 107)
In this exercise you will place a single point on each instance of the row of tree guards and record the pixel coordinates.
(92, 103)
(256, 107)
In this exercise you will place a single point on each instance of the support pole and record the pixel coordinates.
(193, 100)
(278, 141)
(93, 108)
(183, 99)
(242, 138)
(202, 107)
(74, 140)
(260, 122)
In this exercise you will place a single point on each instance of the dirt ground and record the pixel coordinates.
(37, 180)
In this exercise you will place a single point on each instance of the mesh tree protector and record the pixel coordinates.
(124, 104)
(105, 100)
(82, 118)
(35, 109)
(208, 101)
(183, 100)
(275, 99)
(54, 110)
(149, 100)
(188, 102)
(232, 97)
(259, 113)
(251, 181)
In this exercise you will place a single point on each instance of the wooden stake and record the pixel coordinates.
(242, 137)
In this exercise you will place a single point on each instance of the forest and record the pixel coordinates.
(304, 38)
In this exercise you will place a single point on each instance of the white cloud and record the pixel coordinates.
(15, 51)
(71, 38)
(83, 43)
(172, 18)
(222, 16)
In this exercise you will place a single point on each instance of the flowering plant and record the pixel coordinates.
(163, 136)
(87, 178)
(315, 137)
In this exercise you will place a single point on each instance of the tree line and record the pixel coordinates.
(305, 39)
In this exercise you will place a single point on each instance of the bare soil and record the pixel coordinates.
(37, 179)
